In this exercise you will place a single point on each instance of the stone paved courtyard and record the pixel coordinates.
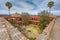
(8, 32)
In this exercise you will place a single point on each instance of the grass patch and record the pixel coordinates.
(32, 31)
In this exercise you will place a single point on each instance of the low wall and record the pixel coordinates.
(47, 31)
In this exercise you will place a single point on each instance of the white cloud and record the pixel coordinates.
(26, 7)
(3, 11)
(56, 12)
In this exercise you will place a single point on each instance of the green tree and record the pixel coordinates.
(13, 22)
(50, 5)
(25, 18)
(44, 19)
(9, 5)
(43, 13)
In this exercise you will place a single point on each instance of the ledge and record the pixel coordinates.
(47, 31)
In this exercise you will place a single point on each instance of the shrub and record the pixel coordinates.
(13, 21)
(32, 38)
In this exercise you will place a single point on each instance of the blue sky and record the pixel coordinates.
(31, 6)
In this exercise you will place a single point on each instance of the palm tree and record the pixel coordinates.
(9, 5)
(50, 5)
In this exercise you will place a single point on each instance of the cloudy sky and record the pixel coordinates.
(31, 6)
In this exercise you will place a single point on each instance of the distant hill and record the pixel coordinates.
(3, 15)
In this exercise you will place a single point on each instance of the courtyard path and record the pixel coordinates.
(55, 34)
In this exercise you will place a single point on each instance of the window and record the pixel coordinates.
(20, 19)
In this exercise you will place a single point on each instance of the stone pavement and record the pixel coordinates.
(8, 32)
(55, 34)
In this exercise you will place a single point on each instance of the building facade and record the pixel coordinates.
(33, 19)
